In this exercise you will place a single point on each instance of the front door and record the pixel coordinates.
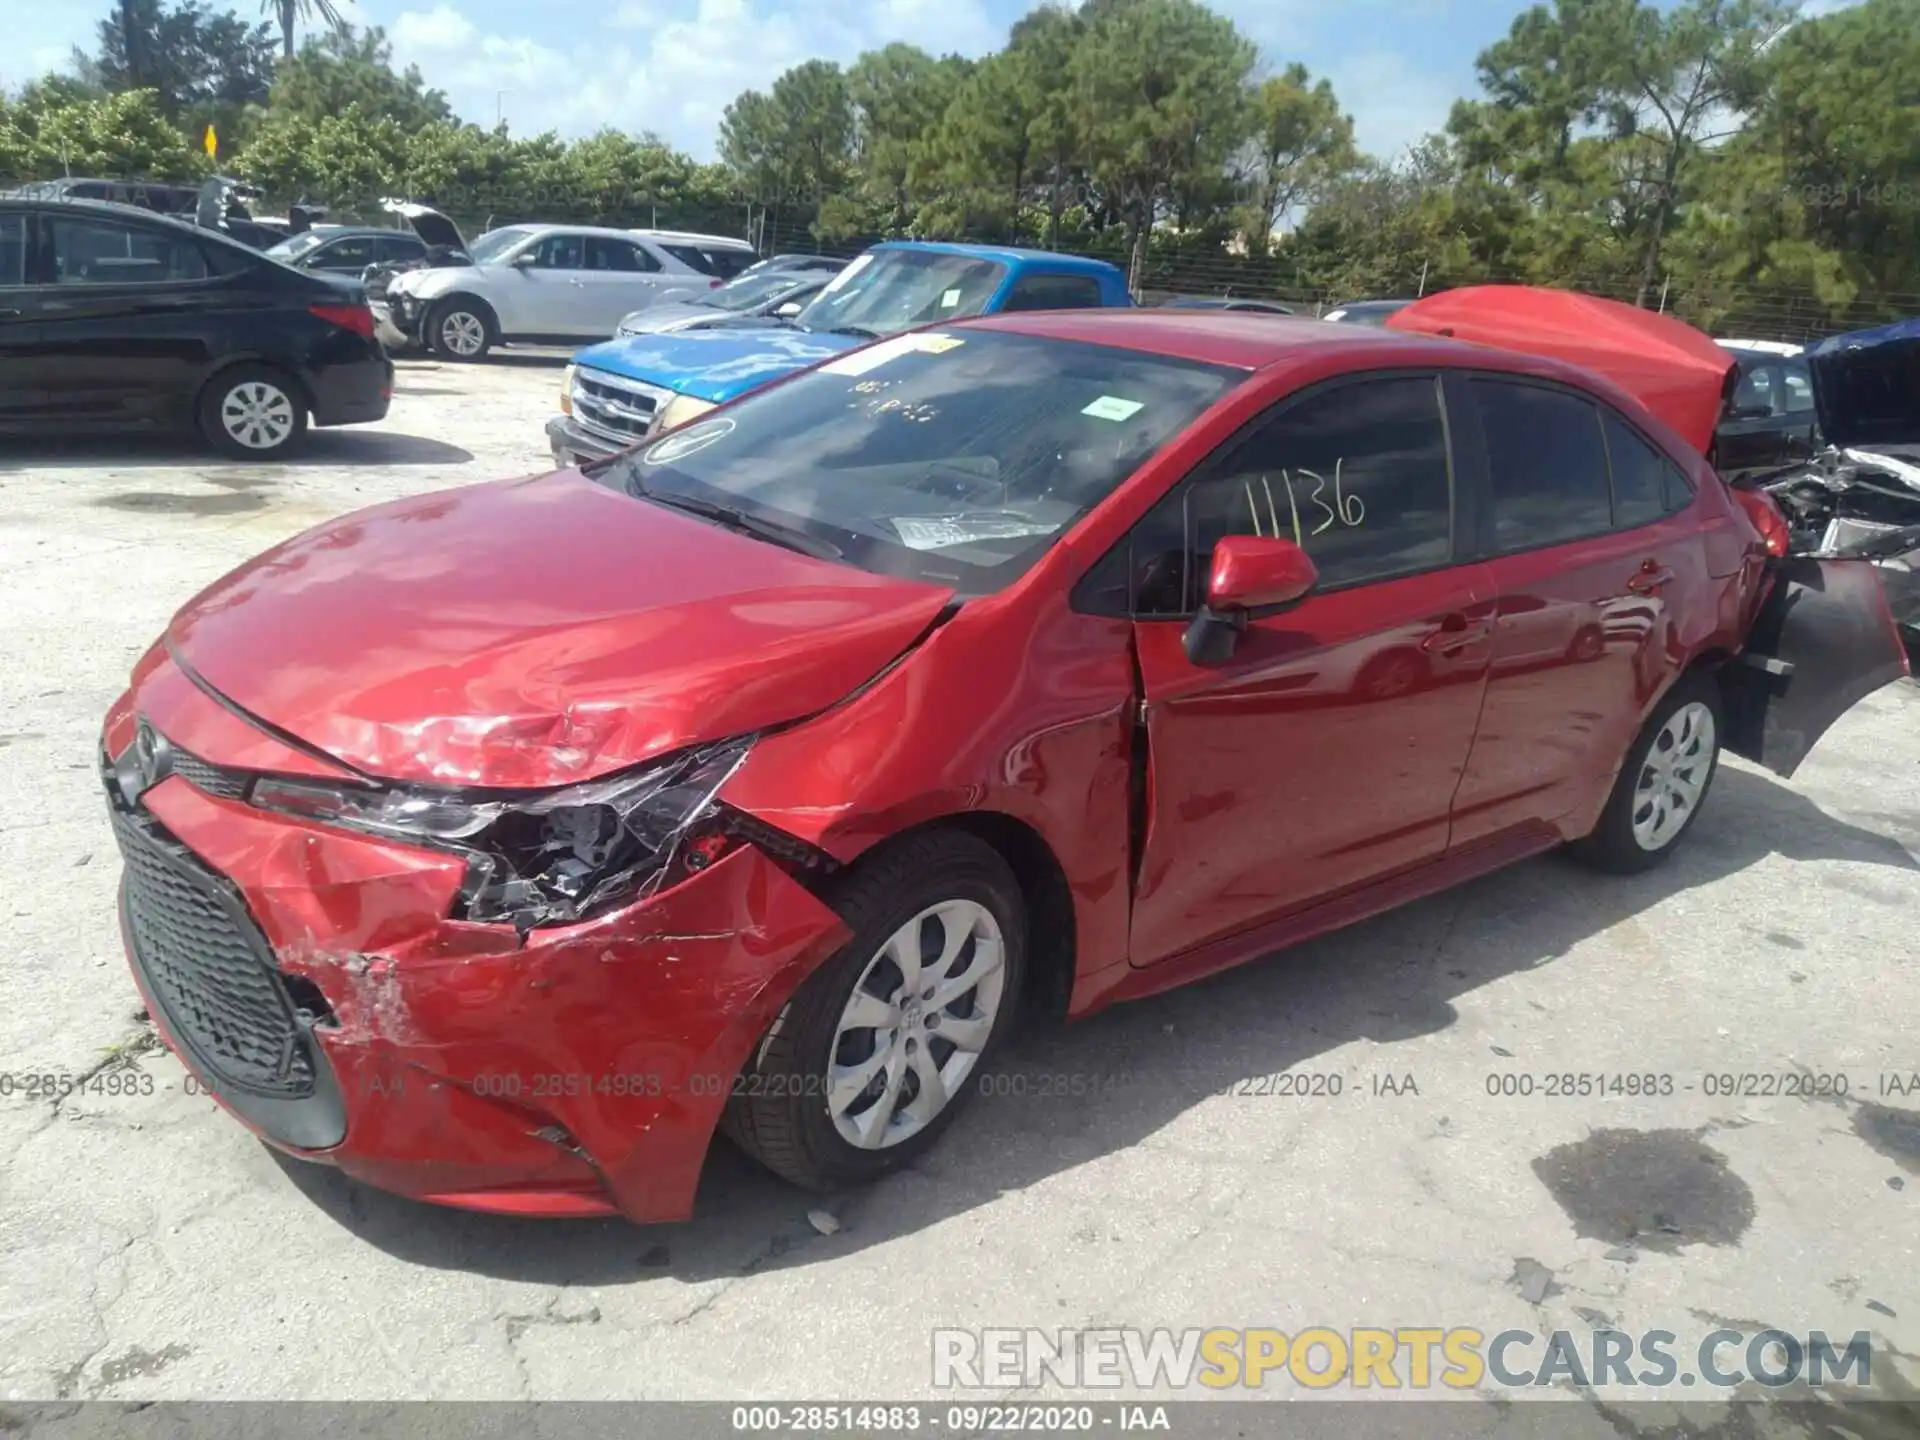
(547, 295)
(1325, 751)
(620, 277)
(1593, 558)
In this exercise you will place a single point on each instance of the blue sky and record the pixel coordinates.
(673, 65)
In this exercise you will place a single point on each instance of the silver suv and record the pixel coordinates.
(550, 284)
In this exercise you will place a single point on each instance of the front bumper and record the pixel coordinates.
(341, 1014)
(573, 444)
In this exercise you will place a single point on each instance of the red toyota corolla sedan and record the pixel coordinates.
(501, 845)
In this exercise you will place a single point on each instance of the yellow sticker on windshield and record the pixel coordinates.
(1112, 407)
(861, 362)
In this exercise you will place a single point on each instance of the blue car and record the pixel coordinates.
(626, 390)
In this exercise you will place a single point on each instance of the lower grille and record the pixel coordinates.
(208, 967)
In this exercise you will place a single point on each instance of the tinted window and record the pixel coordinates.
(1357, 475)
(1759, 390)
(354, 253)
(13, 249)
(1675, 487)
(1798, 387)
(561, 252)
(1054, 292)
(400, 247)
(691, 257)
(1548, 464)
(105, 252)
(605, 253)
(1639, 475)
(955, 459)
(728, 263)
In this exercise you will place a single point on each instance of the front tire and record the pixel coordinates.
(253, 412)
(879, 1049)
(1663, 783)
(459, 330)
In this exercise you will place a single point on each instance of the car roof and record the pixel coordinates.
(692, 237)
(1217, 337)
(113, 209)
(1006, 254)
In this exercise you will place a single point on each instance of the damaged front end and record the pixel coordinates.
(528, 1002)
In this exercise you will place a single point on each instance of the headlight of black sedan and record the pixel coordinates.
(551, 858)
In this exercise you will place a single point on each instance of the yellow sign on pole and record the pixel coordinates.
(213, 144)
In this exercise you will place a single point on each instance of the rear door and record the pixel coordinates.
(20, 391)
(128, 319)
(1324, 753)
(1594, 559)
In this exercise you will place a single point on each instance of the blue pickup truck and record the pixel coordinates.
(623, 391)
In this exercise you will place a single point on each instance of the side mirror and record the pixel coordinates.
(524, 260)
(1251, 575)
(789, 310)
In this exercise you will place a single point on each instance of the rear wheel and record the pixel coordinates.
(254, 413)
(1663, 783)
(459, 329)
(878, 1050)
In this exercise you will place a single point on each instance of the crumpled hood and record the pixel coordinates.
(1866, 386)
(537, 632)
(715, 364)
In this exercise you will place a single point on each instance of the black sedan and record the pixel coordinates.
(113, 317)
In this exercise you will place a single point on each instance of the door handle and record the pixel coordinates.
(1455, 631)
(1650, 577)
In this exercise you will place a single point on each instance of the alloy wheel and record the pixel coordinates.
(463, 333)
(915, 1023)
(1673, 776)
(258, 415)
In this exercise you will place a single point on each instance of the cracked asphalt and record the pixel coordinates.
(1143, 1168)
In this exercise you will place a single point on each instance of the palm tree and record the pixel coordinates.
(287, 12)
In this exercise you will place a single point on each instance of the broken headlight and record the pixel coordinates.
(552, 858)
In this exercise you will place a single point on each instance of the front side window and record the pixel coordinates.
(1547, 462)
(400, 247)
(889, 290)
(952, 458)
(354, 253)
(561, 252)
(1357, 475)
(1797, 385)
(1758, 392)
(106, 252)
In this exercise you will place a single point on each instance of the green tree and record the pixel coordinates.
(1302, 142)
(1160, 103)
(288, 14)
(900, 96)
(56, 129)
(338, 71)
(202, 65)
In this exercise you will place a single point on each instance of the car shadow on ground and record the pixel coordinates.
(345, 446)
(539, 357)
(1389, 979)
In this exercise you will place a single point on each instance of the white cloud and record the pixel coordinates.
(670, 73)
(1393, 103)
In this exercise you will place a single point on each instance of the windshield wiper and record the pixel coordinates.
(735, 518)
(859, 330)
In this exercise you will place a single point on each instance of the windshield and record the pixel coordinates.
(495, 243)
(747, 291)
(952, 458)
(294, 246)
(888, 290)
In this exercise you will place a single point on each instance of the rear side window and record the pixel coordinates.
(106, 252)
(400, 247)
(13, 249)
(1798, 387)
(1639, 475)
(606, 253)
(1054, 292)
(691, 257)
(1548, 464)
